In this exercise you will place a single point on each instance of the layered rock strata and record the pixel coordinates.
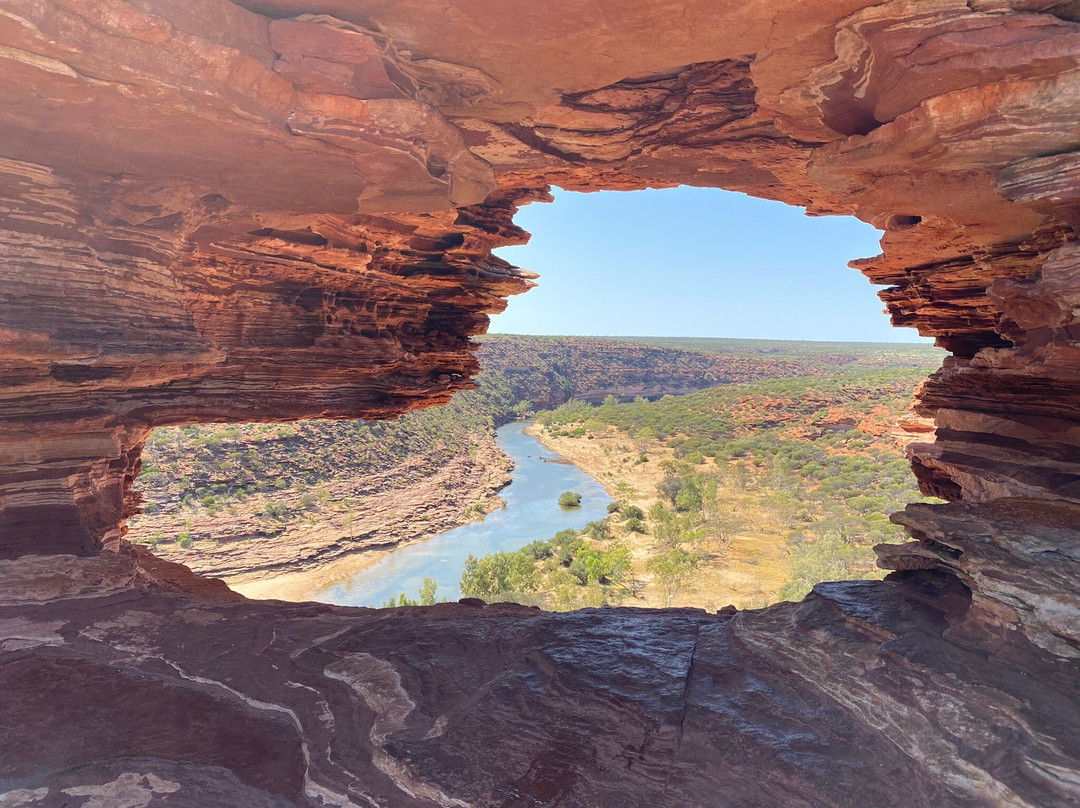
(278, 209)
(861, 691)
(282, 209)
(422, 496)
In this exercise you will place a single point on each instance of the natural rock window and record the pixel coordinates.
(156, 159)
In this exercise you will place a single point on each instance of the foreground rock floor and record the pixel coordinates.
(127, 681)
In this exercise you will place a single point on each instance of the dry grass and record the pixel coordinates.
(749, 573)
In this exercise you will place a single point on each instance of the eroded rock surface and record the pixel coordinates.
(285, 208)
(201, 700)
(276, 209)
(422, 496)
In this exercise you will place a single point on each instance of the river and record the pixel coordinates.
(531, 513)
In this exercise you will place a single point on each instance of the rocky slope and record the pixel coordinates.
(252, 501)
(279, 209)
(298, 530)
(548, 371)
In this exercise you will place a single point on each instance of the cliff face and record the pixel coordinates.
(279, 209)
(549, 372)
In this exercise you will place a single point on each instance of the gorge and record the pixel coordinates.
(531, 512)
(256, 210)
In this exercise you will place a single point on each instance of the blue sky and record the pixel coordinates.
(694, 262)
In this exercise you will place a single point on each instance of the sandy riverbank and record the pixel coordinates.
(304, 585)
(748, 574)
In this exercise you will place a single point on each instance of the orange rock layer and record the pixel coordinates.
(275, 209)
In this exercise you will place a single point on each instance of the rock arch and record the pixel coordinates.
(278, 209)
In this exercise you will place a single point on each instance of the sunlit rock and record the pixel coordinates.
(281, 209)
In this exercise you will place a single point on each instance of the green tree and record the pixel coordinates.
(672, 528)
(602, 566)
(672, 572)
(724, 525)
(427, 596)
(643, 437)
(688, 500)
(499, 573)
(670, 487)
(427, 592)
(569, 499)
(722, 521)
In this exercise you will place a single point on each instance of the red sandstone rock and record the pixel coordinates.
(255, 218)
(278, 209)
(867, 693)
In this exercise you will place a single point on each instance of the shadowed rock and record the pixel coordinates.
(862, 689)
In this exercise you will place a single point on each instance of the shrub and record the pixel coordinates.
(569, 499)
(499, 573)
(539, 550)
(602, 566)
(578, 569)
(688, 500)
(599, 530)
(672, 571)
(566, 546)
(275, 510)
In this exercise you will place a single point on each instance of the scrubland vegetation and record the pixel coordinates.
(814, 465)
(197, 479)
(785, 478)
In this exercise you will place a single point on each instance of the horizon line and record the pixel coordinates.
(743, 339)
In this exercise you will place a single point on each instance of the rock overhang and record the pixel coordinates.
(282, 209)
(278, 209)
